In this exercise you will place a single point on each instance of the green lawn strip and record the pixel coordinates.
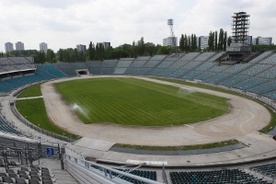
(179, 148)
(34, 111)
(266, 129)
(272, 123)
(138, 103)
(31, 91)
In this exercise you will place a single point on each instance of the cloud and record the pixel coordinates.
(44, 4)
(66, 23)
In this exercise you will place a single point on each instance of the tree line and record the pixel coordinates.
(217, 41)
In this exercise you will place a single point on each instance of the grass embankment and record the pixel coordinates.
(31, 91)
(34, 111)
(266, 129)
(130, 101)
(179, 148)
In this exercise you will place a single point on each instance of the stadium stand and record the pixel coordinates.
(95, 67)
(122, 65)
(256, 77)
(136, 65)
(109, 63)
(6, 127)
(217, 176)
(267, 169)
(66, 68)
(16, 80)
(145, 174)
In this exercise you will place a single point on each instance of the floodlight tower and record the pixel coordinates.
(170, 24)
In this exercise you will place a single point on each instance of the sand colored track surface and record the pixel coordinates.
(244, 117)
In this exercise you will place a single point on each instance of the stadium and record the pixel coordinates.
(109, 153)
(189, 117)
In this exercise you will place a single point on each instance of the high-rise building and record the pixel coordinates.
(43, 47)
(19, 46)
(203, 42)
(106, 45)
(81, 48)
(249, 40)
(264, 40)
(9, 47)
(170, 41)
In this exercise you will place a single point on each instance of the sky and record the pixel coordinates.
(67, 23)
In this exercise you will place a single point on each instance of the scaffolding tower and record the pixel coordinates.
(240, 27)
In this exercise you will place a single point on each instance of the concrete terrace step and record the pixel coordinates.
(63, 177)
(60, 176)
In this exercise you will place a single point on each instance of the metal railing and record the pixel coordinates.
(102, 173)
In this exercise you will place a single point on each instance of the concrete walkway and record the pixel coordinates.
(60, 176)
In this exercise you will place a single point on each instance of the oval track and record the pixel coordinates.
(243, 118)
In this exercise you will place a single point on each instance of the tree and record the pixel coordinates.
(164, 50)
(60, 55)
(150, 49)
(188, 43)
(215, 40)
(39, 57)
(221, 40)
(141, 47)
(100, 52)
(182, 43)
(134, 52)
(91, 51)
(211, 41)
(229, 41)
(50, 55)
(193, 43)
(225, 40)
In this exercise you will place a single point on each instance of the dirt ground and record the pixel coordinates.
(244, 117)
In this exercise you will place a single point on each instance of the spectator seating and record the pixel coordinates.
(66, 68)
(107, 71)
(43, 72)
(7, 128)
(94, 67)
(109, 63)
(16, 64)
(267, 169)
(49, 71)
(215, 176)
(119, 70)
(270, 60)
(154, 61)
(139, 62)
(122, 65)
(142, 173)
(261, 57)
(24, 175)
(124, 62)
(271, 94)
(269, 74)
(264, 87)
(145, 174)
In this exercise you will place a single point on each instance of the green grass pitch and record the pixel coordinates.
(131, 101)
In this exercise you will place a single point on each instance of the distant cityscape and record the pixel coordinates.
(202, 43)
(43, 47)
